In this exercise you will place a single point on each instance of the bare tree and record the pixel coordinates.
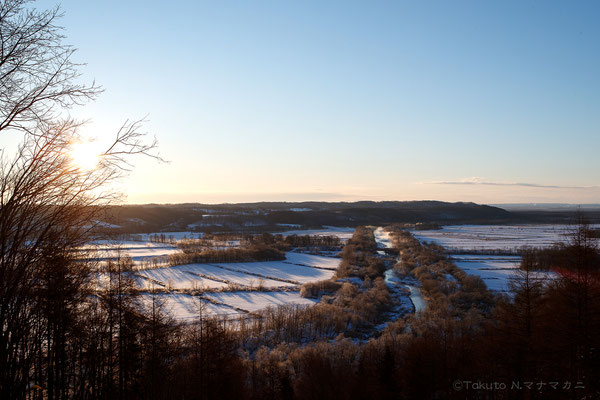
(48, 208)
(48, 205)
(38, 78)
(57, 327)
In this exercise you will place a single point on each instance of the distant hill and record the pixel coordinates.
(548, 207)
(277, 215)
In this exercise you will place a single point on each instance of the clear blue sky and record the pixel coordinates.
(324, 100)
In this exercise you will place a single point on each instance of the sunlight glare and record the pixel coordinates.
(85, 155)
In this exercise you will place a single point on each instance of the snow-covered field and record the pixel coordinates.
(284, 270)
(137, 255)
(183, 307)
(296, 269)
(196, 276)
(255, 301)
(496, 271)
(495, 237)
(231, 288)
(176, 278)
(259, 284)
(138, 251)
(312, 260)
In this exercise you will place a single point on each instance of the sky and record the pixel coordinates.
(491, 102)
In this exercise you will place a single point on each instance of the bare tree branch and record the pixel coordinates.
(38, 78)
(129, 141)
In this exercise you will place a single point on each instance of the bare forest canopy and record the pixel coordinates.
(273, 216)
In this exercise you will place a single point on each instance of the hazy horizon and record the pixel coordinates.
(250, 200)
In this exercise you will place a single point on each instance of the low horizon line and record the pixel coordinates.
(364, 200)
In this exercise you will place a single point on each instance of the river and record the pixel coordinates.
(384, 241)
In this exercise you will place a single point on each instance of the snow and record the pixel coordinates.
(103, 250)
(290, 225)
(383, 239)
(313, 260)
(125, 244)
(137, 254)
(228, 273)
(297, 267)
(184, 276)
(416, 298)
(486, 257)
(496, 271)
(103, 224)
(137, 221)
(173, 235)
(404, 291)
(495, 237)
(99, 280)
(177, 278)
(183, 307)
(496, 263)
(340, 232)
(281, 270)
(255, 301)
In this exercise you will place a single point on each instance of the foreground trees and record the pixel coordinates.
(43, 202)
(48, 207)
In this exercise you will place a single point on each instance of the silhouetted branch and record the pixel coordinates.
(129, 142)
(37, 76)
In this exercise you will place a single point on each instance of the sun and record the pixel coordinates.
(85, 155)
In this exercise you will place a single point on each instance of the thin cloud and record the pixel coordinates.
(481, 181)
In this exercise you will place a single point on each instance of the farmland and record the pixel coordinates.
(491, 252)
(495, 238)
(219, 289)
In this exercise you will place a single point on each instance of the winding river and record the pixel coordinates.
(384, 241)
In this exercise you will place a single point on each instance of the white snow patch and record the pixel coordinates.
(183, 307)
(103, 250)
(255, 301)
(281, 270)
(198, 275)
(313, 260)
